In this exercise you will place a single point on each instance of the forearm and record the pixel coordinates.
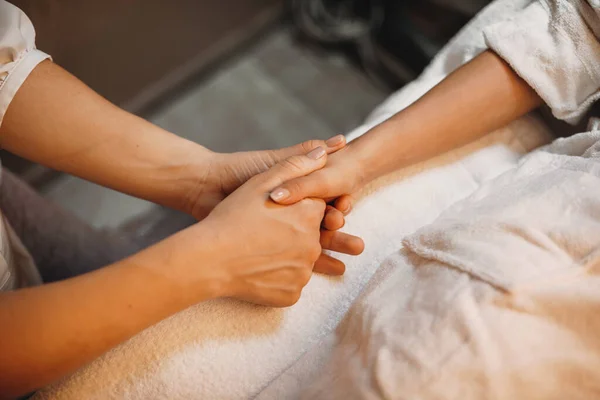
(59, 122)
(476, 99)
(49, 331)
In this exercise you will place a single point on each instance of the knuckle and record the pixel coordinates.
(317, 208)
(309, 145)
(294, 186)
(293, 163)
(314, 252)
(295, 297)
(291, 298)
(304, 276)
(306, 204)
(313, 208)
(321, 205)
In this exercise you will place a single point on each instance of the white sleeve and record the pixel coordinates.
(18, 55)
(553, 45)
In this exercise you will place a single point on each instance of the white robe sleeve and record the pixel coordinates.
(553, 45)
(18, 55)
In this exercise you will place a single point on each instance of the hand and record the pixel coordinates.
(268, 250)
(228, 171)
(338, 180)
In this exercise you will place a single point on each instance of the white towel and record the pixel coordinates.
(406, 202)
(231, 350)
(496, 299)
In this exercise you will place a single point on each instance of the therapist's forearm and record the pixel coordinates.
(476, 99)
(48, 331)
(59, 122)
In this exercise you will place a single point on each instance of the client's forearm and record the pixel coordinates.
(57, 121)
(479, 97)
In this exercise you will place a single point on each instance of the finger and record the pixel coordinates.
(300, 188)
(329, 266)
(341, 242)
(330, 145)
(344, 204)
(293, 167)
(313, 210)
(333, 220)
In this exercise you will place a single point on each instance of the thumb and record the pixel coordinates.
(300, 188)
(330, 145)
(295, 167)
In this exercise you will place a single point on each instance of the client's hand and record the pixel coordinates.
(227, 171)
(339, 179)
(269, 250)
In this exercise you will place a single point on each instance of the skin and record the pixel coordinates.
(76, 131)
(57, 121)
(481, 96)
(53, 329)
(168, 277)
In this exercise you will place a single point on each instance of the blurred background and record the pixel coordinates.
(234, 75)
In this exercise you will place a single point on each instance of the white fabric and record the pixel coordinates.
(18, 57)
(230, 350)
(553, 45)
(465, 46)
(496, 299)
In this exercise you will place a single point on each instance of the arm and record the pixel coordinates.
(48, 331)
(56, 120)
(554, 46)
(476, 99)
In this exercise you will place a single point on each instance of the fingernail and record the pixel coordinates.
(347, 210)
(317, 153)
(334, 141)
(280, 194)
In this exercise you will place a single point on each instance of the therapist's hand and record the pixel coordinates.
(225, 172)
(268, 250)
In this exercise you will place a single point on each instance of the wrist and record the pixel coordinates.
(196, 178)
(380, 150)
(360, 164)
(367, 152)
(197, 260)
